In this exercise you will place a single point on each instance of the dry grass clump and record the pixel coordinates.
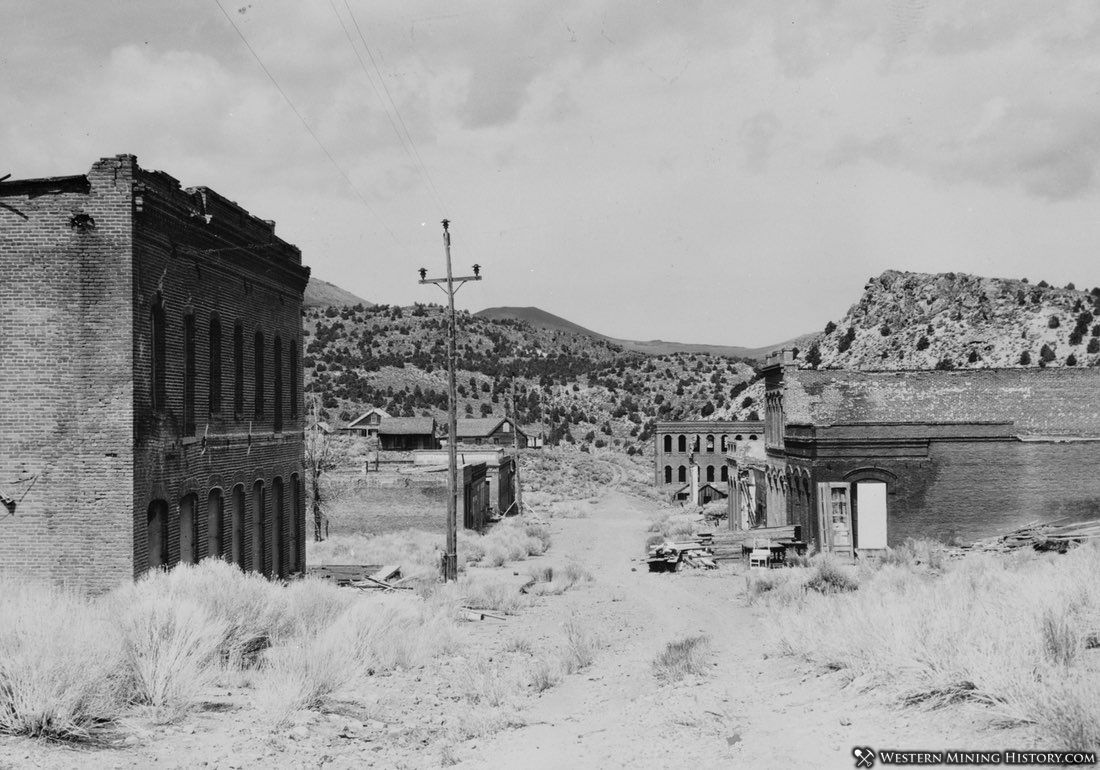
(61, 672)
(416, 551)
(911, 553)
(510, 540)
(551, 583)
(1010, 634)
(672, 527)
(491, 592)
(581, 644)
(544, 673)
(682, 657)
(828, 577)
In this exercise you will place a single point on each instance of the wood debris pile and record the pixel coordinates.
(674, 557)
(1044, 537)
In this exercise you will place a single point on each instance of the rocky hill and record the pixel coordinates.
(951, 320)
(323, 294)
(579, 388)
(540, 319)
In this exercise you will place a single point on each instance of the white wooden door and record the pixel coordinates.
(834, 517)
(871, 514)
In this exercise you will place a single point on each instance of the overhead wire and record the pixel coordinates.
(397, 111)
(290, 103)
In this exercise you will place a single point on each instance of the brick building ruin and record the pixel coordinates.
(703, 442)
(862, 460)
(151, 403)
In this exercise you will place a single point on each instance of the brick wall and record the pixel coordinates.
(65, 378)
(187, 258)
(83, 261)
(696, 432)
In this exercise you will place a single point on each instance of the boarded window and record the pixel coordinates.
(215, 366)
(215, 521)
(236, 526)
(157, 534)
(277, 393)
(188, 541)
(295, 375)
(259, 527)
(158, 354)
(278, 528)
(238, 369)
(189, 375)
(258, 373)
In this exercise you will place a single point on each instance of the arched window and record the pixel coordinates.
(695, 444)
(277, 394)
(258, 373)
(238, 369)
(236, 526)
(710, 443)
(295, 375)
(725, 473)
(189, 374)
(157, 534)
(681, 474)
(159, 353)
(710, 473)
(296, 524)
(737, 437)
(752, 437)
(215, 363)
(668, 474)
(681, 444)
(277, 528)
(725, 443)
(188, 541)
(259, 527)
(215, 521)
(668, 443)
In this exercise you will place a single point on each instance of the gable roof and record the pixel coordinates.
(381, 412)
(406, 426)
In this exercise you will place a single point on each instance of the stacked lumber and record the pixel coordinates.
(387, 577)
(727, 544)
(673, 557)
(1045, 537)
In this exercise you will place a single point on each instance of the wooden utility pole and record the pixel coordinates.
(515, 447)
(450, 558)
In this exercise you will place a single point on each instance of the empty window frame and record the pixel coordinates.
(214, 353)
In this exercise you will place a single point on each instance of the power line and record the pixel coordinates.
(312, 133)
(403, 134)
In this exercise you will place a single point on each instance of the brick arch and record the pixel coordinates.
(871, 473)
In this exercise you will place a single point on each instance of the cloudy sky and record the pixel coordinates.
(720, 172)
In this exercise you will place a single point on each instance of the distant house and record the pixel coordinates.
(404, 434)
(367, 423)
(707, 493)
(489, 430)
(319, 426)
(536, 436)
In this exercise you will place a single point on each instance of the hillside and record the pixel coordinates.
(541, 319)
(324, 294)
(579, 387)
(949, 320)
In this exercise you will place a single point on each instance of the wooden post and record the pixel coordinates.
(515, 447)
(450, 559)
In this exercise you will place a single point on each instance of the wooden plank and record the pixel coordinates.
(387, 573)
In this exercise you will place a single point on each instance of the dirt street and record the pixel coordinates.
(751, 708)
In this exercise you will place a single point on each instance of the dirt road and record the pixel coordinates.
(751, 708)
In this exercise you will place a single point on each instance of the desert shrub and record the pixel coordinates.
(828, 577)
(170, 650)
(945, 364)
(1054, 322)
(1094, 345)
(813, 356)
(913, 552)
(923, 343)
(682, 657)
(1006, 633)
(1071, 360)
(544, 674)
(846, 341)
(61, 664)
(1046, 353)
(1025, 358)
(830, 327)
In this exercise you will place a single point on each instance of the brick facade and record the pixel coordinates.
(962, 454)
(124, 400)
(708, 440)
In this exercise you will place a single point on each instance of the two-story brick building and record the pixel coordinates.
(151, 400)
(704, 442)
(862, 460)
